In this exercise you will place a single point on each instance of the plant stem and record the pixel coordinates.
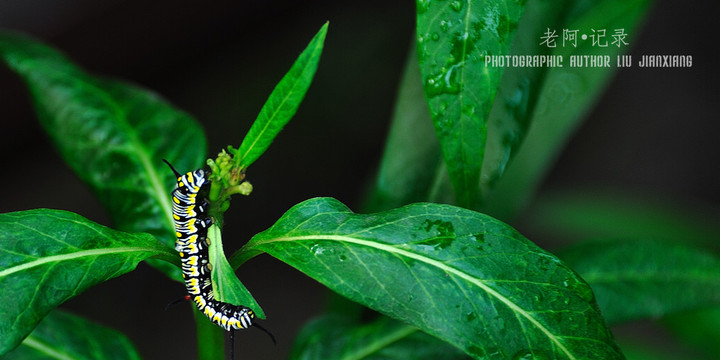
(210, 338)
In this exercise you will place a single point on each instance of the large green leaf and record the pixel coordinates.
(454, 37)
(49, 256)
(282, 103)
(636, 279)
(457, 274)
(562, 96)
(335, 337)
(113, 135)
(64, 336)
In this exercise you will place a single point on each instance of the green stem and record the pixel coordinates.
(210, 338)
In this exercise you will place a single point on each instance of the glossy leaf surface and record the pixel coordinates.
(454, 38)
(50, 256)
(113, 135)
(457, 274)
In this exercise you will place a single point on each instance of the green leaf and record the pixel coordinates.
(282, 103)
(335, 337)
(65, 336)
(601, 213)
(454, 37)
(457, 274)
(565, 94)
(49, 256)
(643, 279)
(519, 89)
(113, 135)
(411, 169)
(226, 286)
(411, 159)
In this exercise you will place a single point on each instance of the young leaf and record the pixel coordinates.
(65, 336)
(460, 275)
(646, 279)
(334, 337)
(113, 135)
(454, 37)
(282, 103)
(49, 256)
(226, 286)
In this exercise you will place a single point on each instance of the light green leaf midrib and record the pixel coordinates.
(444, 267)
(158, 190)
(72, 256)
(381, 343)
(45, 349)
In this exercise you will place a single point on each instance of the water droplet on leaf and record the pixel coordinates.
(443, 82)
(445, 25)
(317, 249)
(456, 5)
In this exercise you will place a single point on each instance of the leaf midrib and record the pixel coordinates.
(158, 191)
(44, 348)
(71, 256)
(380, 343)
(444, 267)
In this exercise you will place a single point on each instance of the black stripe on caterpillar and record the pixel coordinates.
(190, 215)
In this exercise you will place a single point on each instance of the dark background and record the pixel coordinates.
(654, 131)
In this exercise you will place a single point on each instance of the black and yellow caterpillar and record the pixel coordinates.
(190, 215)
